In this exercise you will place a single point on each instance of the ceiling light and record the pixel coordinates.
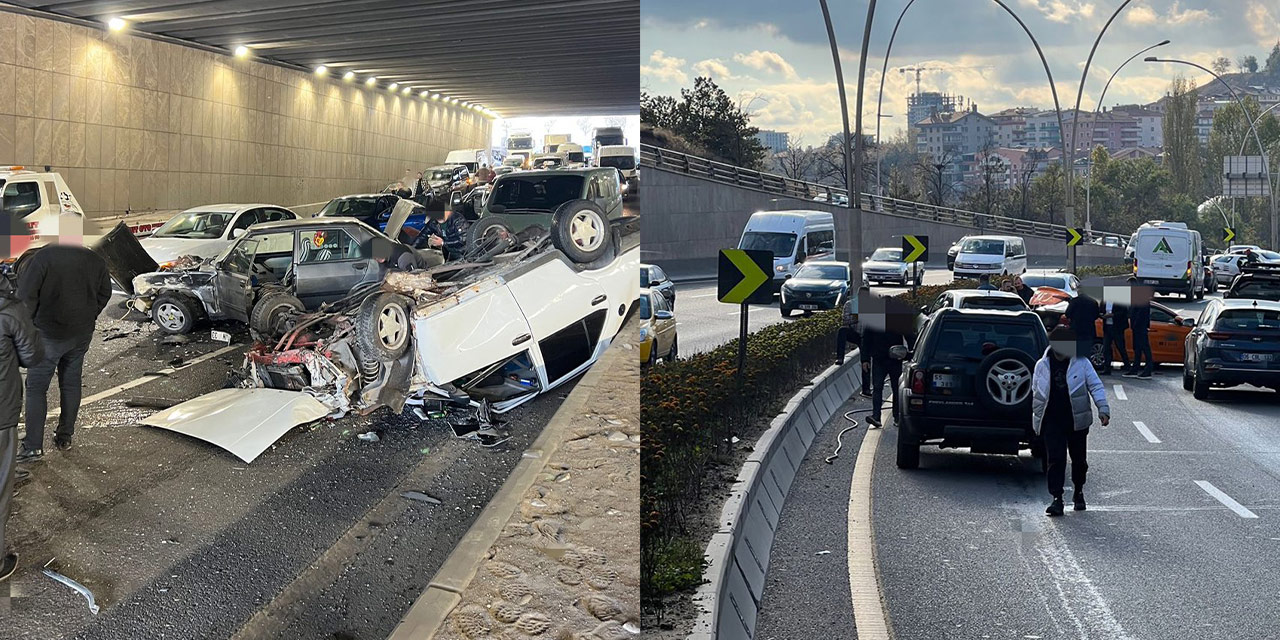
(242, 51)
(393, 86)
(321, 70)
(117, 24)
(435, 96)
(424, 94)
(349, 76)
(371, 81)
(407, 90)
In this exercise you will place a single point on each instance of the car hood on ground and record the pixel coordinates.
(882, 264)
(245, 422)
(166, 249)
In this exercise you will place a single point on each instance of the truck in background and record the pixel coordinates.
(607, 136)
(552, 141)
(521, 142)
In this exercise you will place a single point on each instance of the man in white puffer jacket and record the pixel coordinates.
(1061, 389)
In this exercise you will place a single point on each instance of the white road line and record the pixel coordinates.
(1226, 499)
(156, 375)
(869, 617)
(1120, 392)
(1146, 433)
(704, 295)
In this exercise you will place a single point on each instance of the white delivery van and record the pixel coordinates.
(622, 158)
(572, 153)
(1167, 257)
(469, 158)
(794, 237)
(992, 255)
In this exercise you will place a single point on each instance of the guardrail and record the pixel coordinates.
(666, 159)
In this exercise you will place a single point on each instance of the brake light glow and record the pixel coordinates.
(1219, 335)
(1188, 268)
(917, 381)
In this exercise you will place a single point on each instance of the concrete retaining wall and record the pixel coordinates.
(687, 220)
(738, 554)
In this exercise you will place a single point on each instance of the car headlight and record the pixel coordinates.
(780, 268)
(644, 333)
(836, 286)
(141, 287)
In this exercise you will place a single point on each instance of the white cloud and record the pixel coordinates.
(1141, 15)
(766, 61)
(1263, 23)
(664, 68)
(1061, 10)
(713, 68)
(1178, 16)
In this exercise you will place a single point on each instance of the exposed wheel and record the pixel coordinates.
(653, 354)
(1200, 387)
(1004, 381)
(908, 449)
(382, 327)
(902, 282)
(1096, 357)
(786, 313)
(675, 350)
(489, 233)
(174, 314)
(580, 230)
(267, 314)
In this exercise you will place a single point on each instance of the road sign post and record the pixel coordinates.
(1074, 236)
(743, 277)
(915, 249)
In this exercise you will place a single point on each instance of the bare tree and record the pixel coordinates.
(797, 162)
(931, 170)
(1222, 65)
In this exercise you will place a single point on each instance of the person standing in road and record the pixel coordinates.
(443, 231)
(984, 283)
(848, 331)
(1115, 320)
(19, 346)
(1140, 325)
(1016, 285)
(880, 333)
(1082, 315)
(65, 287)
(484, 174)
(1061, 389)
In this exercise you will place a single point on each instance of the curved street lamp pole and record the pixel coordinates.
(1266, 169)
(1244, 141)
(884, 69)
(1088, 185)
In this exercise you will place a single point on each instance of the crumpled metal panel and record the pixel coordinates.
(245, 422)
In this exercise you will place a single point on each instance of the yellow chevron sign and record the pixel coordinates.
(915, 248)
(742, 275)
(1228, 234)
(1075, 238)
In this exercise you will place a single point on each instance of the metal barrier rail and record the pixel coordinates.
(660, 158)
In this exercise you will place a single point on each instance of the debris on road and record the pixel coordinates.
(120, 333)
(150, 403)
(83, 590)
(175, 340)
(420, 497)
(369, 436)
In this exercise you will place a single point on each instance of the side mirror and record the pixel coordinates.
(786, 277)
(899, 352)
(1188, 322)
(236, 233)
(663, 315)
(924, 308)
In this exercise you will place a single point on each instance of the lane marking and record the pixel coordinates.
(1078, 597)
(1146, 433)
(869, 617)
(1120, 393)
(704, 295)
(1226, 499)
(155, 375)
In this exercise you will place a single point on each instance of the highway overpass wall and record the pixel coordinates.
(687, 220)
(142, 125)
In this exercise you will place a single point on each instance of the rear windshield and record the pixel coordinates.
(993, 302)
(1249, 319)
(1258, 289)
(518, 192)
(983, 247)
(962, 340)
(781, 244)
(1035, 282)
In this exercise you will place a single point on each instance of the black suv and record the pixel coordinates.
(1256, 282)
(968, 383)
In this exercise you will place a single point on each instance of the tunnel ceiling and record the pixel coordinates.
(517, 57)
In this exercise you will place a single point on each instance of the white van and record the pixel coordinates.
(572, 153)
(1168, 257)
(794, 237)
(622, 158)
(470, 158)
(992, 255)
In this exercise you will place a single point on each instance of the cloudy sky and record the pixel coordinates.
(774, 58)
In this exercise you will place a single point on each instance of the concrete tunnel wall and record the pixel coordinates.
(687, 220)
(141, 125)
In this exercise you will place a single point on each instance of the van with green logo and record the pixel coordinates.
(1169, 258)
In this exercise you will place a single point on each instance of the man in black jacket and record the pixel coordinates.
(1115, 320)
(1082, 315)
(881, 332)
(65, 287)
(19, 346)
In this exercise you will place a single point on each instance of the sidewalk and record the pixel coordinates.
(557, 551)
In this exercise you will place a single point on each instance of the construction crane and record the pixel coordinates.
(919, 70)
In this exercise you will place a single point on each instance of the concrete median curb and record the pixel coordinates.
(738, 554)
(443, 593)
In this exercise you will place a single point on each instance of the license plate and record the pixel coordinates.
(944, 381)
(808, 306)
(1256, 357)
(220, 336)
(1151, 282)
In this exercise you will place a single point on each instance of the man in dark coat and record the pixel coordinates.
(65, 287)
(1115, 320)
(19, 346)
(1082, 314)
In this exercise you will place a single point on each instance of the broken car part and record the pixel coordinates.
(245, 422)
(81, 589)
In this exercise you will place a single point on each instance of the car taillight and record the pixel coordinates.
(1219, 335)
(917, 381)
(1188, 268)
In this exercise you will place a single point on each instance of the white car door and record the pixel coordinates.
(566, 313)
(485, 326)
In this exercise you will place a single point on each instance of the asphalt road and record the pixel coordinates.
(1179, 540)
(704, 323)
(178, 538)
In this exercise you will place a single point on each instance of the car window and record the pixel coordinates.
(780, 244)
(272, 215)
(328, 245)
(983, 246)
(822, 241)
(659, 275)
(646, 307)
(993, 302)
(962, 340)
(539, 193)
(1258, 289)
(887, 255)
(275, 242)
(247, 218)
(240, 259)
(1249, 319)
(1160, 315)
(646, 276)
(21, 198)
(660, 302)
(823, 272)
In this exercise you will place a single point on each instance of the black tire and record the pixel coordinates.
(908, 449)
(1187, 382)
(1096, 357)
(1014, 381)
(581, 231)
(489, 231)
(675, 350)
(786, 313)
(264, 318)
(175, 313)
(1200, 387)
(383, 329)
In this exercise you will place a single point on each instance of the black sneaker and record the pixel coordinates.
(62, 443)
(1130, 374)
(1078, 499)
(1145, 375)
(7, 566)
(1055, 508)
(839, 362)
(874, 421)
(865, 394)
(29, 455)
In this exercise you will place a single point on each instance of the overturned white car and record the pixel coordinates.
(494, 333)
